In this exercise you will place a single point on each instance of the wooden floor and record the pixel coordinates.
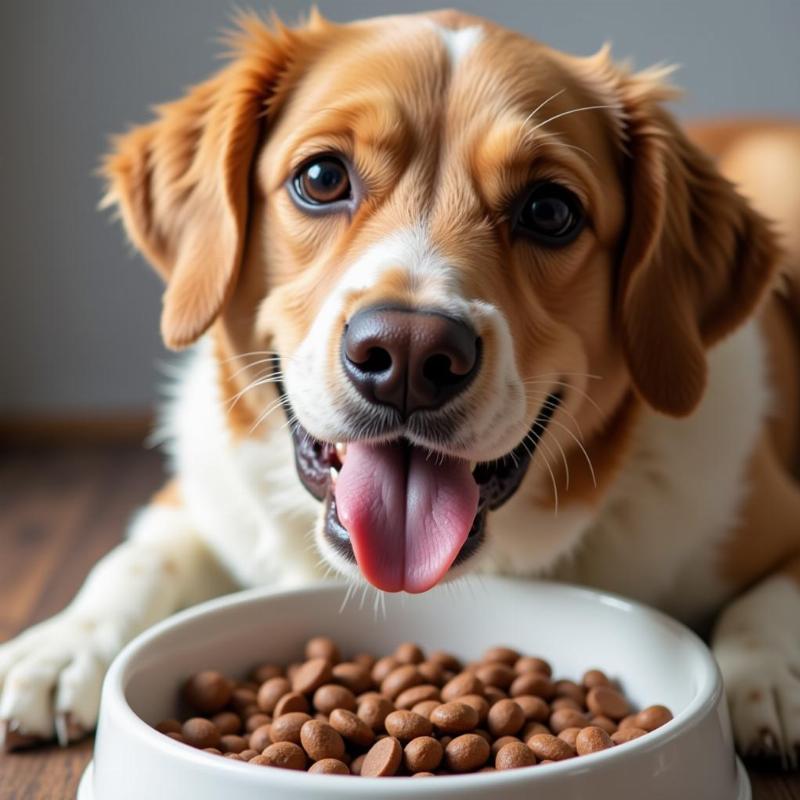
(60, 510)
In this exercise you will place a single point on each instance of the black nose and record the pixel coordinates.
(409, 359)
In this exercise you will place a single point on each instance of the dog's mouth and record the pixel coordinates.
(403, 513)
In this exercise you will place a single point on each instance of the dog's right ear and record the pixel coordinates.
(182, 182)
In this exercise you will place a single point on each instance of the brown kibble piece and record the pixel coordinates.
(479, 703)
(627, 735)
(354, 676)
(455, 717)
(246, 755)
(382, 759)
(531, 729)
(607, 702)
(213, 751)
(431, 672)
(569, 735)
(423, 754)
(178, 737)
(535, 683)
(416, 694)
(406, 725)
(595, 677)
(366, 660)
(356, 763)
(571, 689)
(285, 755)
(592, 740)
(287, 727)
(351, 727)
(531, 664)
(320, 740)
(409, 653)
(627, 722)
(608, 725)
(256, 721)
(382, 667)
(330, 766)
(199, 732)
(464, 683)
(233, 756)
(466, 753)
(322, 647)
(547, 747)
(311, 675)
(447, 661)
(566, 718)
(424, 775)
(291, 703)
(374, 710)
(399, 679)
(505, 718)
(534, 708)
(207, 692)
(514, 755)
(653, 717)
(261, 738)
(260, 760)
(173, 726)
(496, 674)
(227, 722)
(503, 740)
(503, 655)
(231, 743)
(242, 699)
(426, 707)
(565, 702)
(331, 696)
(270, 692)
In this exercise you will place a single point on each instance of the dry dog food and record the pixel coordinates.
(408, 713)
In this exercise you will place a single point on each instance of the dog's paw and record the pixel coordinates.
(50, 680)
(763, 689)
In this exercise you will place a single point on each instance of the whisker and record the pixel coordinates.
(541, 106)
(616, 106)
(568, 386)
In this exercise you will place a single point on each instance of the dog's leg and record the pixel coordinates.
(757, 645)
(50, 676)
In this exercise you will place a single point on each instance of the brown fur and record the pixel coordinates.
(673, 260)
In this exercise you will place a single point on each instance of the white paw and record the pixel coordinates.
(763, 688)
(50, 680)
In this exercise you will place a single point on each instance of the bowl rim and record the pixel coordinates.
(708, 693)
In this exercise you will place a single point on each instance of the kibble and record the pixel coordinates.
(412, 712)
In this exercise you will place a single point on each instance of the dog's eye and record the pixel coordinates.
(551, 214)
(323, 181)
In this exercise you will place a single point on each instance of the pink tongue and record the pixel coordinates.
(406, 522)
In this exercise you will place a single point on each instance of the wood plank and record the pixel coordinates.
(75, 503)
(123, 427)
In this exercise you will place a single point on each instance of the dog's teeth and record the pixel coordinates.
(472, 465)
(334, 473)
(341, 450)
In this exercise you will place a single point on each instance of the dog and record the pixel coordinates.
(460, 302)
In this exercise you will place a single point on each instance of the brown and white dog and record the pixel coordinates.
(462, 303)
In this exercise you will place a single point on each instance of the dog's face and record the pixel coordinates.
(462, 250)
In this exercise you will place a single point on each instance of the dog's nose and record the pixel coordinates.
(410, 360)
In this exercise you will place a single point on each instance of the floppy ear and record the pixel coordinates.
(182, 182)
(697, 258)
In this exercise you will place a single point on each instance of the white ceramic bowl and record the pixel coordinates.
(655, 659)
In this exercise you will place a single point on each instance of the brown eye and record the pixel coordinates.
(323, 181)
(551, 214)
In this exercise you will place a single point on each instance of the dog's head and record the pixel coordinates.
(438, 231)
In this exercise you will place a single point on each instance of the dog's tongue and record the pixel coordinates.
(407, 514)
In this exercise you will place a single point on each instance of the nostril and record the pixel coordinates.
(377, 360)
(438, 370)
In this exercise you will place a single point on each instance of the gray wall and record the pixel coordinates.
(79, 311)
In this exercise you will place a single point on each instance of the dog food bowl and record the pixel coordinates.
(655, 659)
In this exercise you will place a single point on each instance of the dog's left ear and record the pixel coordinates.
(697, 258)
(182, 182)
